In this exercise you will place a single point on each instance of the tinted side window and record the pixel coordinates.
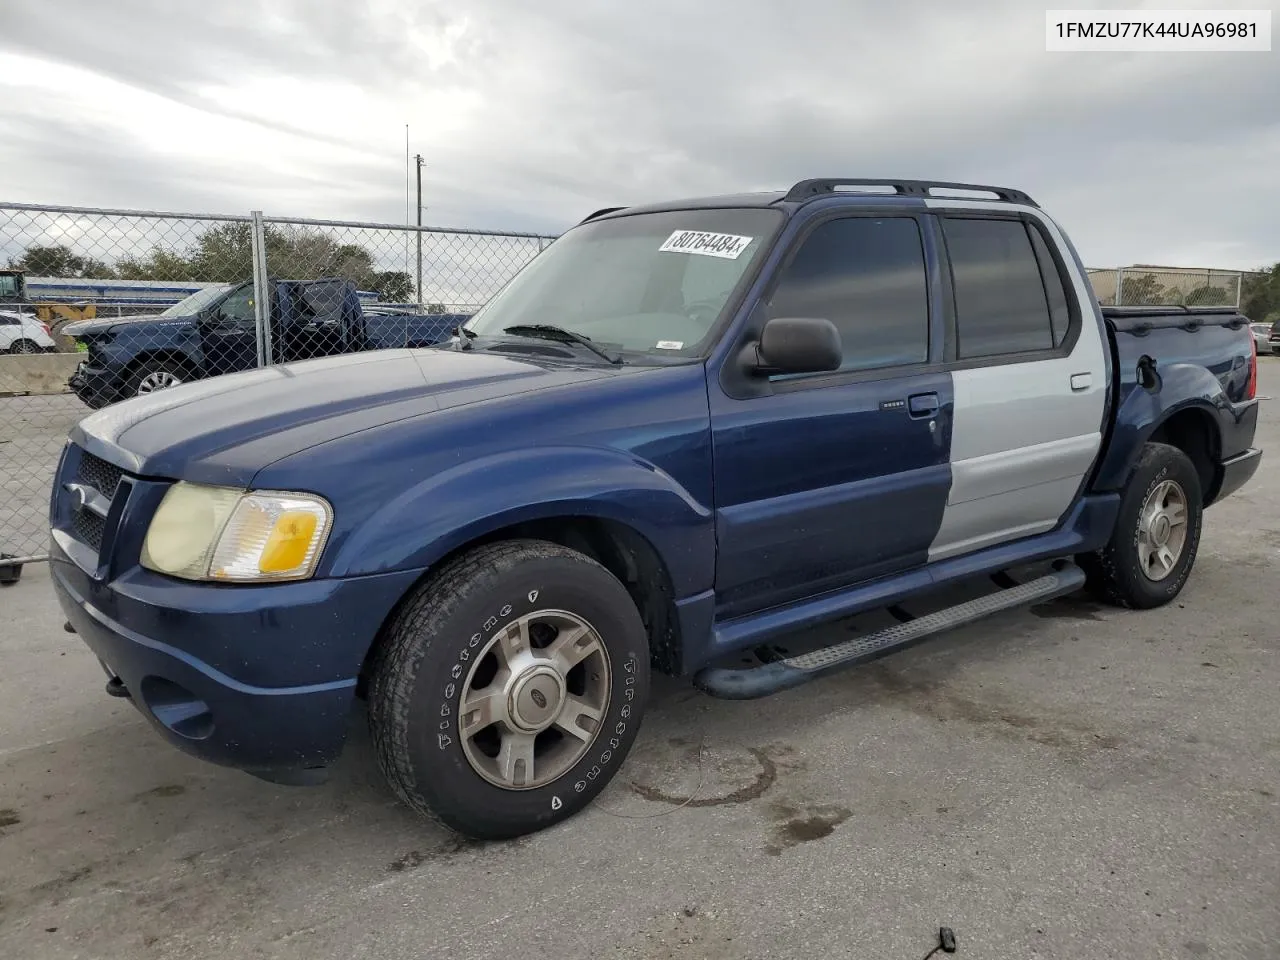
(867, 276)
(1059, 309)
(238, 306)
(9, 321)
(1000, 298)
(322, 302)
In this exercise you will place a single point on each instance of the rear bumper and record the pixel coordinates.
(199, 707)
(1238, 471)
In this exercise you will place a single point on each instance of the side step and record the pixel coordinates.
(731, 684)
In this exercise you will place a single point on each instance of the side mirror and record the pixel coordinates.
(799, 345)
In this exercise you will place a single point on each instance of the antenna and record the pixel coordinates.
(407, 221)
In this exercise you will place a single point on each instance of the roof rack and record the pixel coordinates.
(807, 189)
(599, 213)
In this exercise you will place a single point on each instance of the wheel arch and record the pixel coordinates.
(1194, 431)
(621, 549)
(153, 354)
(1186, 409)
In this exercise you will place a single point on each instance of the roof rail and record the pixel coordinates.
(599, 213)
(807, 189)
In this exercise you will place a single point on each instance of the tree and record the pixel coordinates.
(1143, 289)
(224, 254)
(1260, 295)
(393, 286)
(158, 265)
(1207, 296)
(58, 261)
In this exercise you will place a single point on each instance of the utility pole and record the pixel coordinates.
(419, 161)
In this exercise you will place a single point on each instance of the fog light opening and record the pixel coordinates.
(177, 708)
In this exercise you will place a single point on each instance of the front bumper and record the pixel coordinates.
(274, 688)
(95, 386)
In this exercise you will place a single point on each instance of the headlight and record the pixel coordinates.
(219, 533)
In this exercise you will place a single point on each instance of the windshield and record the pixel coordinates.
(196, 302)
(652, 283)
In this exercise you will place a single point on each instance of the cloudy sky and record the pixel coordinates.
(531, 114)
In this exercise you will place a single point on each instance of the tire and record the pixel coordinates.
(446, 642)
(10, 573)
(154, 375)
(25, 346)
(1124, 572)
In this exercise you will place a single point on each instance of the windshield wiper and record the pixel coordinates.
(548, 331)
(462, 332)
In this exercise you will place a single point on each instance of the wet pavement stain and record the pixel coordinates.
(450, 847)
(766, 778)
(8, 818)
(933, 699)
(797, 825)
(1068, 608)
(168, 790)
(414, 858)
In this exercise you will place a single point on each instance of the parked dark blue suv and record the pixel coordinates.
(214, 331)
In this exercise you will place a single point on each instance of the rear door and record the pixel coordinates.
(321, 319)
(1029, 372)
(830, 479)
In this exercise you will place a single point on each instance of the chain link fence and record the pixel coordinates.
(1168, 286)
(100, 305)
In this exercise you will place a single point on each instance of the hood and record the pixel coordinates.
(92, 328)
(225, 429)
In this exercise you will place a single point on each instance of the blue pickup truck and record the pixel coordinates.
(680, 435)
(214, 331)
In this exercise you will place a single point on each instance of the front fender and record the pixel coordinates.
(1181, 386)
(458, 505)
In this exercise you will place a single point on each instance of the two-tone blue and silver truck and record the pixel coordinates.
(679, 436)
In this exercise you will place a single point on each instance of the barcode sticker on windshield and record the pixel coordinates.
(669, 345)
(725, 245)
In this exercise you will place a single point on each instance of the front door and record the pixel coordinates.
(831, 479)
(229, 337)
(1030, 379)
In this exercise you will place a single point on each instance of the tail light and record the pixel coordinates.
(1253, 369)
(46, 328)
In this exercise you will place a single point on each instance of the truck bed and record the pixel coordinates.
(1216, 338)
(1174, 351)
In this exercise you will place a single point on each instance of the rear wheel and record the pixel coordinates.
(25, 346)
(1157, 534)
(509, 689)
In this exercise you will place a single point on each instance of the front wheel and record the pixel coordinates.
(156, 375)
(509, 689)
(1157, 533)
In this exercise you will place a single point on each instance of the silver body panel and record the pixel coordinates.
(1024, 435)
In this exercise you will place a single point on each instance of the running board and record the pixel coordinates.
(749, 684)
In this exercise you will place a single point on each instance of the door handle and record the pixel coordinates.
(1081, 381)
(922, 405)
